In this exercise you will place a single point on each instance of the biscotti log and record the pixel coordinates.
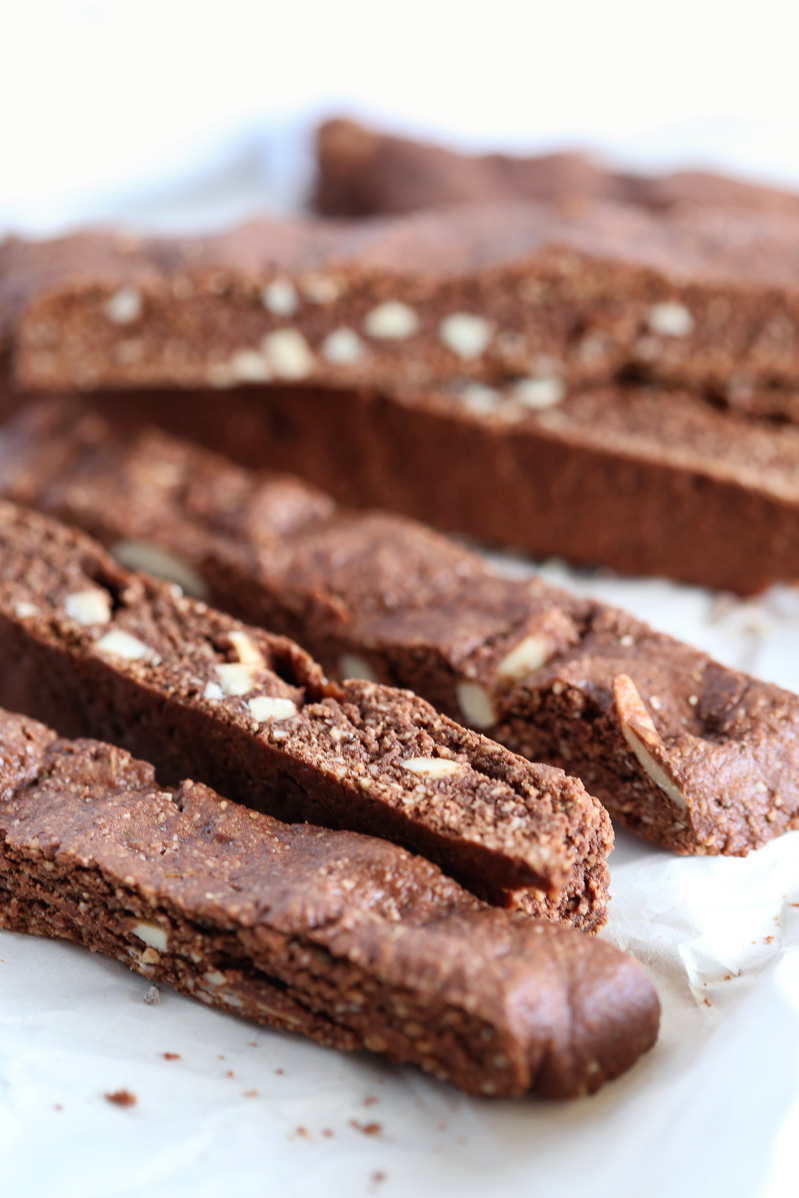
(94, 650)
(680, 749)
(577, 293)
(347, 939)
(363, 172)
(632, 478)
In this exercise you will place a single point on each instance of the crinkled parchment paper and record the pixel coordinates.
(240, 1110)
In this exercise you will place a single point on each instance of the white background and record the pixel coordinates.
(183, 114)
(110, 107)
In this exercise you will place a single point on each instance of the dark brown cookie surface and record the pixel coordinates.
(341, 937)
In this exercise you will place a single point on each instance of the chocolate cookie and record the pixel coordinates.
(363, 172)
(545, 293)
(94, 650)
(343, 938)
(685, 752)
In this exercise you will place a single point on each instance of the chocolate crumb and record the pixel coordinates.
(121, 1098)
(368, 1129)
(171, 1056)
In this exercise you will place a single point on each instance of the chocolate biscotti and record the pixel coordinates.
(344, 938)
(642, 481)
(94, 650)
(576, 293)
(685, 752)
(362, 172)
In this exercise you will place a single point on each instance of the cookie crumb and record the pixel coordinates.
(171, 1056)
(328, 1132)
(121, 1098)
(152, 996)
(368, 1129)
(250, 1093)
(371, 1100)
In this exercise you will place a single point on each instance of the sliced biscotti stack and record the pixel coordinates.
(682, 750)
(344, 938)
(94, 650)
(505, 335)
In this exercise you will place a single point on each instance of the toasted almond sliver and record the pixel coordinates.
(528, 656)
(89, 607)
(247, 651)
(640, 733)
(119, 643)
(432, 767)
(476, 705)
(236, 677)
(268, 707)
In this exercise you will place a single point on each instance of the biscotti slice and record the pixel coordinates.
(364, 172)
(635, 478)
(92, 649)
(543, 292)
(347, 939)
(682, 750)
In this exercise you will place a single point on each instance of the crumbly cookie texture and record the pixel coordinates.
(343, 938)
(202, 695)
(363, 172)
(570, 292)
(685, 752)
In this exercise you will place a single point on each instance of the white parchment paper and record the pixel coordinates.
(713, 1110)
